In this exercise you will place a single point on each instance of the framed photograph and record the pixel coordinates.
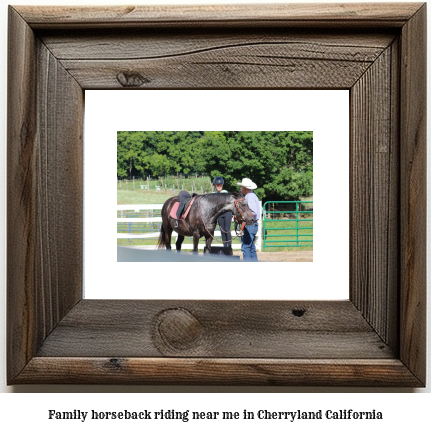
(260, 116)
(376, 337)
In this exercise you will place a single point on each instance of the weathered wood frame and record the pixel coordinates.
(377, 338)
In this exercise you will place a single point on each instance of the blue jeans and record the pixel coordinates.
(248, 247)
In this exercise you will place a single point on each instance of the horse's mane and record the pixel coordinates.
(221, 197)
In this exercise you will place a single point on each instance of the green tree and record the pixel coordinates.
(280, 163)
(129, 153)
(158, 153)
(182, 150)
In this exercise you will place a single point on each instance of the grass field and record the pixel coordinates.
(125, 196)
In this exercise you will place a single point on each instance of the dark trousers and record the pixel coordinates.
(224, 222)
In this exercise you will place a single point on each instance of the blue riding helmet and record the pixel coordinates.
(218, 180)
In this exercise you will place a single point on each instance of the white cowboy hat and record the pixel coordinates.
(248, 184)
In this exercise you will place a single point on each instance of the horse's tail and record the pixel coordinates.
(161, 242)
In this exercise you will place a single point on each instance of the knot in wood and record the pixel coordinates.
(131, 79)
(298, 312)
(115, 363)
(178, 329)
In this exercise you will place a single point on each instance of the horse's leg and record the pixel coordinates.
(209, 240)
(179, 242)
(196, 238)
(168, 235)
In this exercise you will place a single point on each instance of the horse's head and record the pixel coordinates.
(241, 209)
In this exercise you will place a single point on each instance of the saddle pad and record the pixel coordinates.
(188, 205)
(173, 213)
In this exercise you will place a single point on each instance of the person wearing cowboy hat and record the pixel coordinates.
(248, 247)
(225, 219)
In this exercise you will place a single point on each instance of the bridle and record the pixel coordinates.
(237, 219)
(237, 206)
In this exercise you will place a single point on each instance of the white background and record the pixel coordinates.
(403, 410)
(326, 113)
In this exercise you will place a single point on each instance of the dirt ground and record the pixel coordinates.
(296, 256)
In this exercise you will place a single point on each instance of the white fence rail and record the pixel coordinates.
(136, 208)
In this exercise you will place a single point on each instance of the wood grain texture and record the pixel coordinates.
(205, 59)
(347, 45)
(210, 60)
(197, 371)
(299, 14)
(59, 182)
(45, 106)
(374, 196)
(413, 194)
(21, 194)
(235, 329)
(376, 338)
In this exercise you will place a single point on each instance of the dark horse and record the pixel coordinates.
(202, 218)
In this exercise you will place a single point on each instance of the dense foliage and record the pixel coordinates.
(280, 163)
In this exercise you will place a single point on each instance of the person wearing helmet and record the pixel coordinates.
(225, 219)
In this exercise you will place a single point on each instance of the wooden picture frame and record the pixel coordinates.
(376, 338)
